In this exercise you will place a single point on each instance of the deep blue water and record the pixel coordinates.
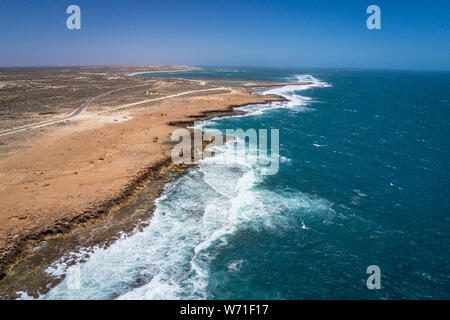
(363, 180)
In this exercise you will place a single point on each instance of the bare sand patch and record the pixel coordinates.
(77, 171)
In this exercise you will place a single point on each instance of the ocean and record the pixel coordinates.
(363, 180)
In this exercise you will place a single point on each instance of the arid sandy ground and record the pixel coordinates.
(29, 95)
(57, 176)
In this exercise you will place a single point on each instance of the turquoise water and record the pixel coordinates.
(363, 180)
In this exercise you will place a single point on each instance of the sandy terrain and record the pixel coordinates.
(55, 177)
(30, 95)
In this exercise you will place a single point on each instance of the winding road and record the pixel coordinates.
(84, 105)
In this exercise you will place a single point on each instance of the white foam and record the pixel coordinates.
(235, 266)
(295, 101)
(199, 212)
(169, 258)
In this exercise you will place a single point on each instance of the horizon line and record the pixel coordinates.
(222, 65)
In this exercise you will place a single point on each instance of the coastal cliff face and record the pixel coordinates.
(151, 229)
(69, 174)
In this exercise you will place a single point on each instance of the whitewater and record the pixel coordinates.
(195, 217)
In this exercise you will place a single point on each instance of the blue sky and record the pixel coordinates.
(414, 34)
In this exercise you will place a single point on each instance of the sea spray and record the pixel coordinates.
(196, 215)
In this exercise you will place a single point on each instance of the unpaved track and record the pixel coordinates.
(84, 105)
(163, 98)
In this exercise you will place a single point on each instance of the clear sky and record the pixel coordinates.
(414, 34)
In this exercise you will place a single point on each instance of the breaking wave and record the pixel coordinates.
(196, 215)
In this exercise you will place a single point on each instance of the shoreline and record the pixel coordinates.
(185, 68)
(25, 245)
